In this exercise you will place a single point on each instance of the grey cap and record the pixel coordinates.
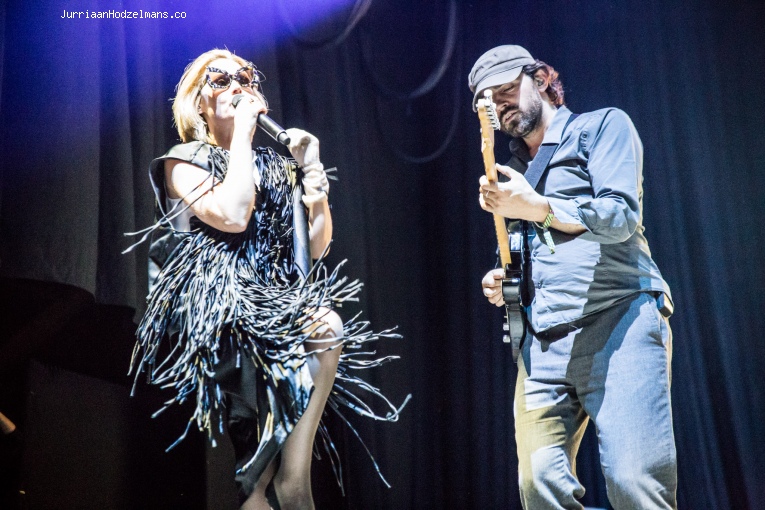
(499, 65)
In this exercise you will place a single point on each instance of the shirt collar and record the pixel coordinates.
(555, 131)
(552, 135)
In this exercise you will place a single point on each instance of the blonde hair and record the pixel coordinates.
(189, 122)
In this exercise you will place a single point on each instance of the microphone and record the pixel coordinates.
(268, 125)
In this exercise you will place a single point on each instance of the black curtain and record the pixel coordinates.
(84, 109)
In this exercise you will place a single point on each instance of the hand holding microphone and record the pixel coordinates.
(267, 124)
(305, 149)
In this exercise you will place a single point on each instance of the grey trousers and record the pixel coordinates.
(612, 367)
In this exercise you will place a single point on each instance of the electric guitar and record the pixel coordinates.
(509, 243)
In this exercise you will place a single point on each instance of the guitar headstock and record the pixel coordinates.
(487, 115)
(487, 112)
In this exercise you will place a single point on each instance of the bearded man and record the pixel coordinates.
(598, 343)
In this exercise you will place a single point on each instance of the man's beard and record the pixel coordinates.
(525, 121)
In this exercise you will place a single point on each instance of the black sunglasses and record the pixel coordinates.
(247, 76)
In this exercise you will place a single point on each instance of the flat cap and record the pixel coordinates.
(499, 65)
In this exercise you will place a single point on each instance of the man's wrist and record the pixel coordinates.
(544, 225)
(540, 210)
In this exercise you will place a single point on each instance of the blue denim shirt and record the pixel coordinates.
(595, 179)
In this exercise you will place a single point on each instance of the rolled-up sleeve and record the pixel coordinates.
(615, 166)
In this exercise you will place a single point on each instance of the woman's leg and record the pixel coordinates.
(293, 478)
(257, 500)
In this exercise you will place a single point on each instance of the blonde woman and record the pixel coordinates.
(230, 321)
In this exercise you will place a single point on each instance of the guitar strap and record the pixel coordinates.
(539, 164)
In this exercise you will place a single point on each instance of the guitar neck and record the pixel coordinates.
(499, 222)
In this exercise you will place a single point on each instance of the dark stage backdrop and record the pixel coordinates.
(84, 108)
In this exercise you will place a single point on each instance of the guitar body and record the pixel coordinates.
(509, 242)
(514, 326)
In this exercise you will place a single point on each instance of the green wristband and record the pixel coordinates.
(545, 232)
(548, 220)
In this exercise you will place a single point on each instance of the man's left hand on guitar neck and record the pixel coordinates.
(516, 199)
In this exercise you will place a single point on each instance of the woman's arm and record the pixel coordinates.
(305, 149)
(226, 205)
(320, 219)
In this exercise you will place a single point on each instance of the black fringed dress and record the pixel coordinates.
(227, 315)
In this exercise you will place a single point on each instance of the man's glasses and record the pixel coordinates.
(247, 76)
